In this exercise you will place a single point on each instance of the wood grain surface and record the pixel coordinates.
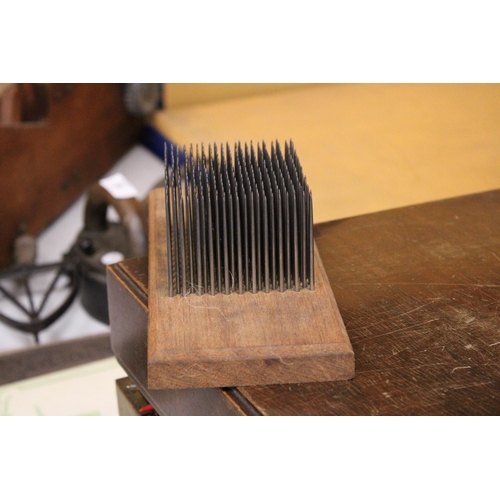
(127, 286)
(240, 339)
(418, 289)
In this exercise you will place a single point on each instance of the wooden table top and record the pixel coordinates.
(364, 147)
(419, 291)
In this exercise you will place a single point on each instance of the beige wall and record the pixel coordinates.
(180, 94)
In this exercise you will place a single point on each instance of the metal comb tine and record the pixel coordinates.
(287, 238)
(292, 186)
(196, 229)
(218, 160)
(217, 250)
(295, 227)
(303, 238)
(281, 266)
(189, 216)
(306, 234)
(222, 225)
(311, 242)
(228, 210)
(210, 236)
(201, 197)
(182, 246)
(203, 158)
(264, 228)
(266, 244)
(276, 218)
(203, 226)
(272, 222)
(252, 241)
(239, 248)
(299, 168)
(284, 225)
(224, 242)
(251, 230)
(231, 231)
(256, 210)
(245, 222)
(175, 229)
(247, 156)
(215, 215)
(236, 236)
(286, 183)
(167, 226)
(279, 218)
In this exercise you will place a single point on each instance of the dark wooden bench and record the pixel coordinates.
(419, 292)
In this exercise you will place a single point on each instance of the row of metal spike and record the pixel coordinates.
(237, 221)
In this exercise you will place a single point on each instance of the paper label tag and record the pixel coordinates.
(118, 186)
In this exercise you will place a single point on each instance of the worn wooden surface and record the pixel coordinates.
(240, 339)
(46, 165)
(127, 285)
(418, 289)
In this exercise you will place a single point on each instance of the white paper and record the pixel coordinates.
(118, 186)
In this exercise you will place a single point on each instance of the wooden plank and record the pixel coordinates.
(240, 339)
(127, 284)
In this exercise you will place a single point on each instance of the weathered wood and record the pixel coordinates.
(128, 313)
(418, 289)
(47, 165)
(240, 339)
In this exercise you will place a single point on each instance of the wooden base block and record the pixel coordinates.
(240, 339)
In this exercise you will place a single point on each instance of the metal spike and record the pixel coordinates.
(311, 242)
(214, 169)
(167, 224)
(281, 266)
(182, 246)
(225, 243)
(189, 217)
(244, 219)
(197, 224)
(203, 228)
(210, 237)
(175, 229)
